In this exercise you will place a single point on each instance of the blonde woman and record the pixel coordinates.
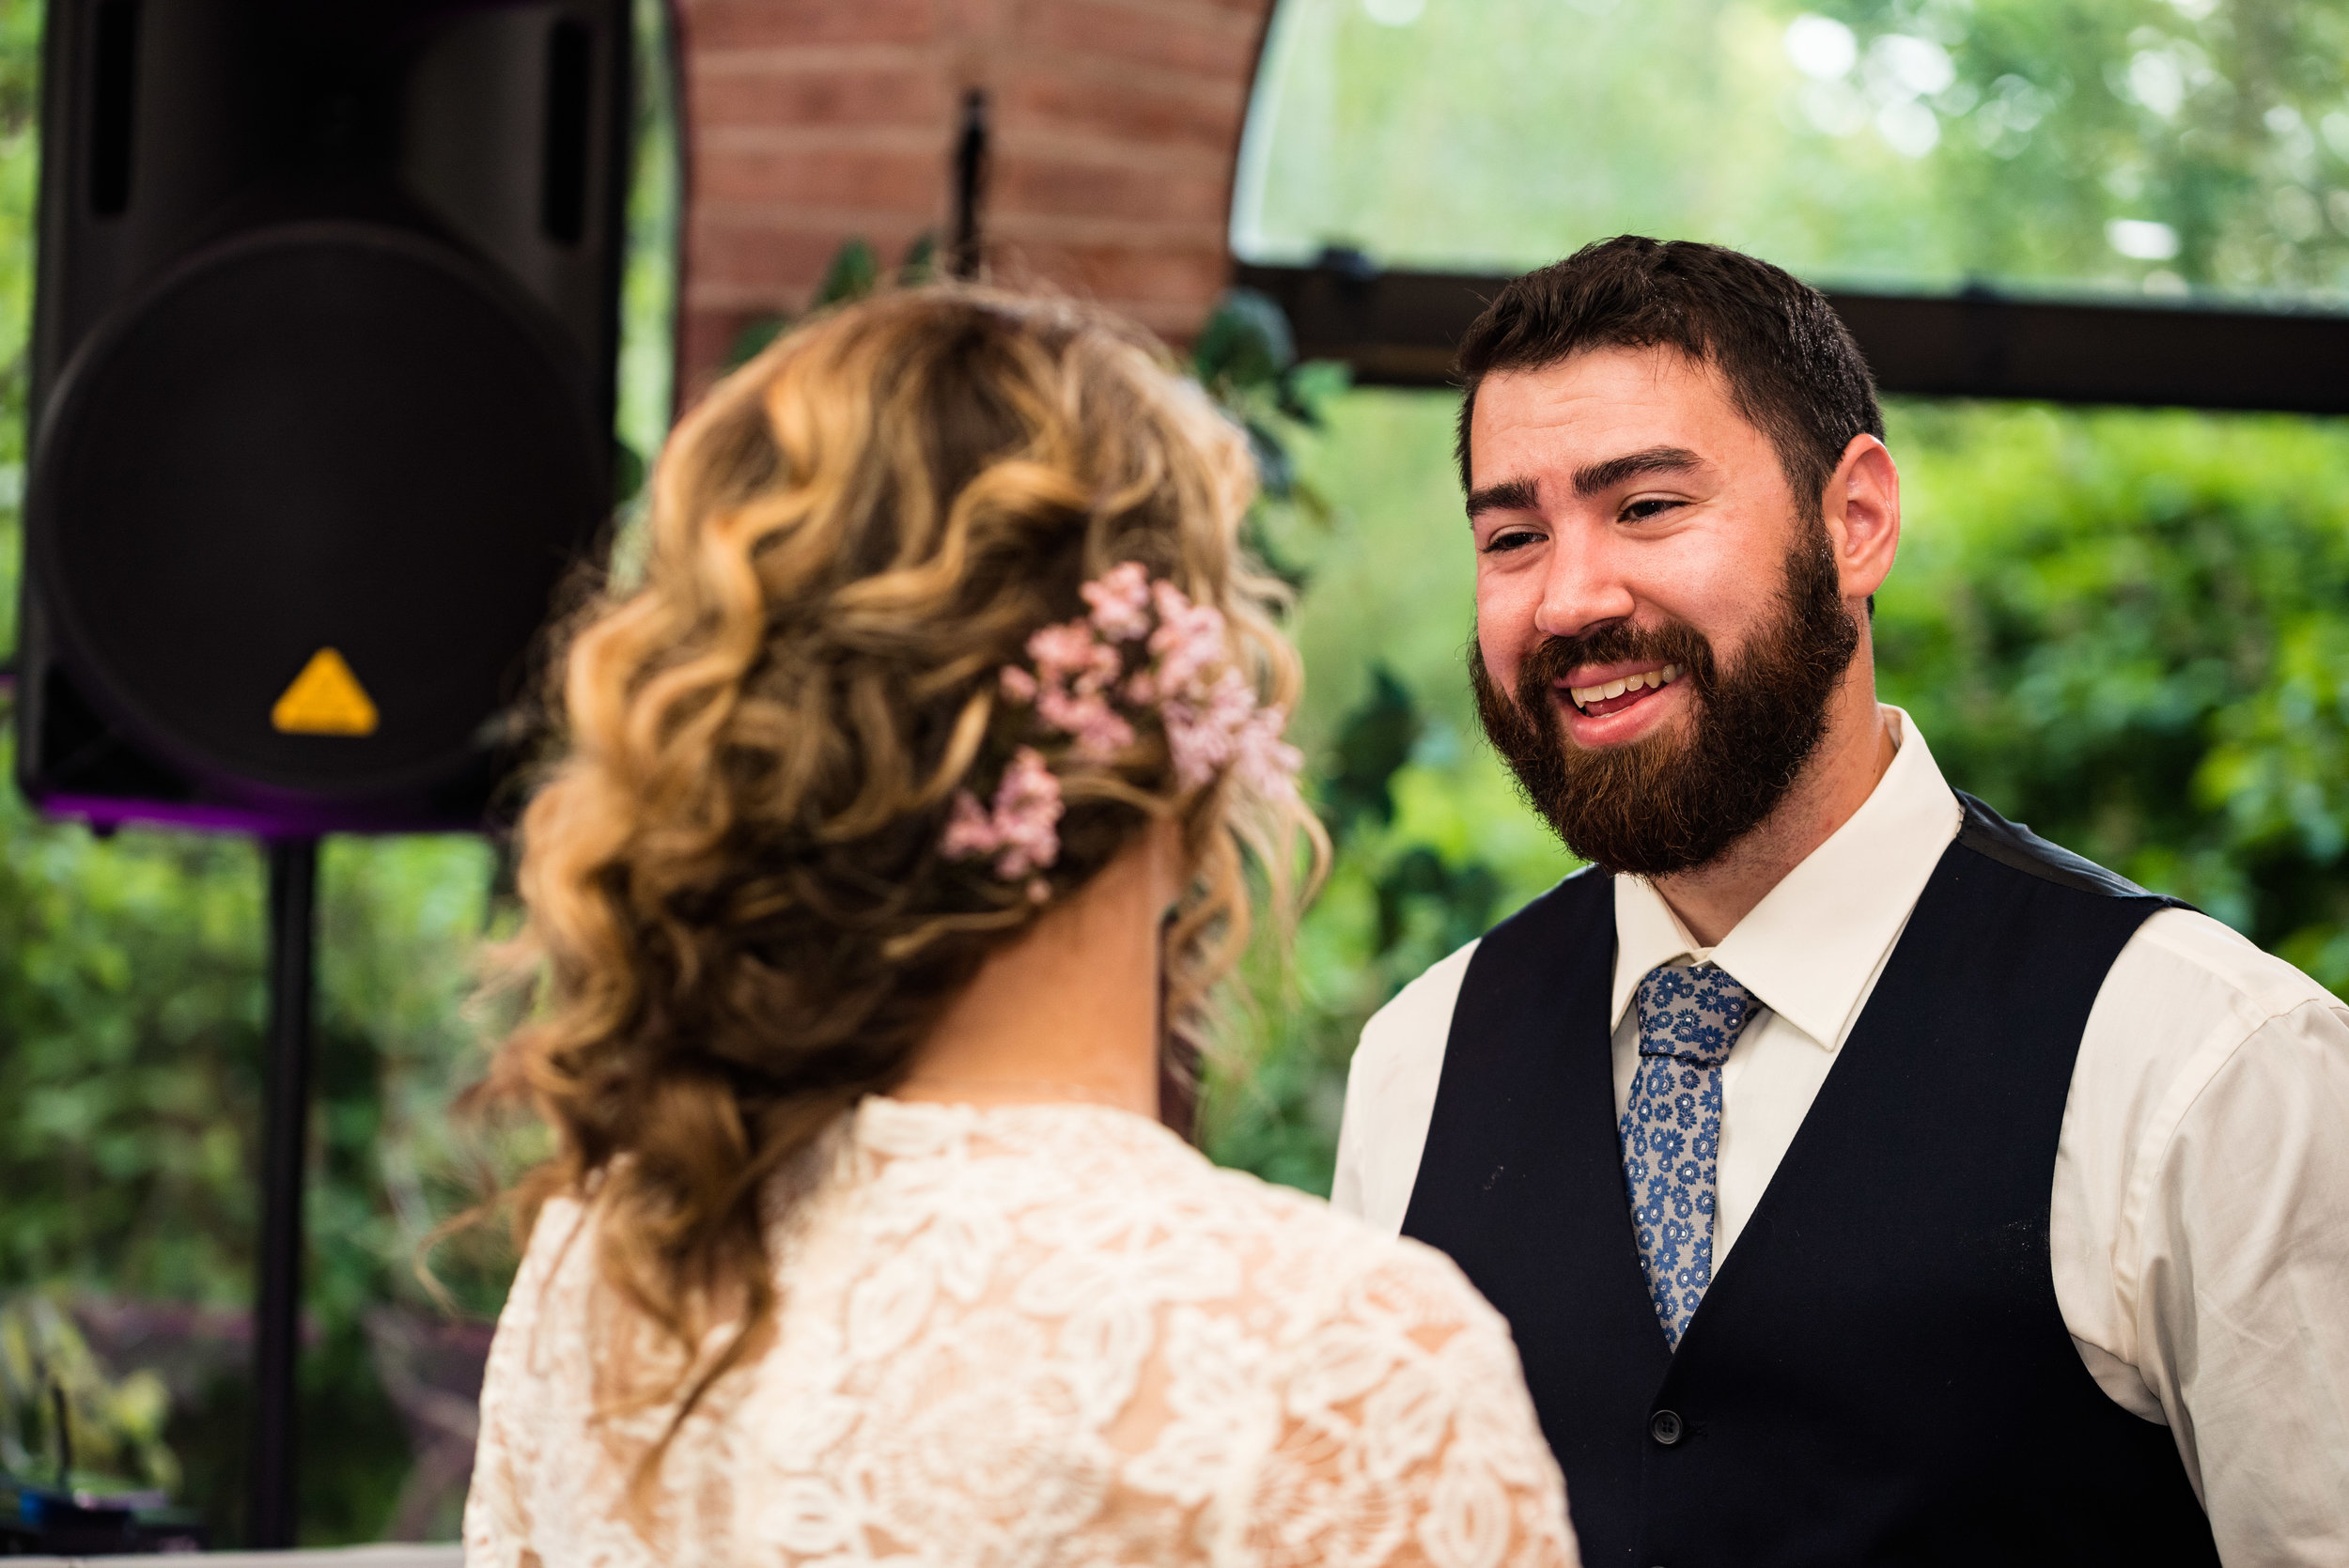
(927, 772)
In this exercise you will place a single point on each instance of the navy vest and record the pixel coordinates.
(1879, 1373)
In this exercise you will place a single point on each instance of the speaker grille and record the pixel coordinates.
(320, 437)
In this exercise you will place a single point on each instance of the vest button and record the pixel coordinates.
(1665, 1427)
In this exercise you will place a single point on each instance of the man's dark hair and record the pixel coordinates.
(1792, 370)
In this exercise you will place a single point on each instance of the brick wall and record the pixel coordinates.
(1115, 124)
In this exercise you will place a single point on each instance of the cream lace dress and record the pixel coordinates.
(1038, 1334)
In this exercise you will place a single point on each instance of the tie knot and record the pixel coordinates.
(1691, 1014)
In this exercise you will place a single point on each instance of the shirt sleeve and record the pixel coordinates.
(2242, 1291)
(1391, 1096)
(1406, 1436)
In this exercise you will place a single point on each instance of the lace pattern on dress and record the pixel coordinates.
(1035, 1335)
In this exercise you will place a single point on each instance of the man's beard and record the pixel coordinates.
(1669, 802)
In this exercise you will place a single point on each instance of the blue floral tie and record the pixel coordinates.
(1672, 1130)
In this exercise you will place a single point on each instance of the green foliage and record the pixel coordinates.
(1246, 357)
(854, 272)
(1245, 345)
(20, 169)
(130, 1012)
(1918, 142)
(130, 1018)
(111, 1429)
(1373, 745)
(2127, 628)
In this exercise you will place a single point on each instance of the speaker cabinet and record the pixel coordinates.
(325, 333)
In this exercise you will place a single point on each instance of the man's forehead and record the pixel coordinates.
(1600, 385)
(1601, 404)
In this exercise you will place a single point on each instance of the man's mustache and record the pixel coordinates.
(1617, 643)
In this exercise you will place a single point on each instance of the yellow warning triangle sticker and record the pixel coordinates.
(324, 699)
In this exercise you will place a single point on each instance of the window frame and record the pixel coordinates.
(1399, 329)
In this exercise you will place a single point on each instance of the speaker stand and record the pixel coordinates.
(293, 870)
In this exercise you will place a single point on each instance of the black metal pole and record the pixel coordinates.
(970, 171)
(293, 869)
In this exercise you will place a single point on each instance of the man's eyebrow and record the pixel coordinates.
(1614, 470)
(1510, 495)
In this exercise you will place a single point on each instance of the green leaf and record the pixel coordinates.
(1374, 741)
(854, 272)
(1308, 388)
(920, 265)
(1246, 343)
(752, 340)
(627, 473)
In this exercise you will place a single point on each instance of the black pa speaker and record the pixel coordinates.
(325, 334)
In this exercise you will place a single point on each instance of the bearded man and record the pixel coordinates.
(1866, 1179)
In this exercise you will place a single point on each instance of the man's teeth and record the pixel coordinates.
(1585, 695)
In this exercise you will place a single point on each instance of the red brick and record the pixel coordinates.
(1049, 230)
(1182, 39)
(845, 176)
(1248, 14)
(910, 94)
(1117, 122)
(974, 19)
(737, 264)
(1145, 161)
(1123, 269)
(916, 139)
(1096, 190)
(719, 23)
(1169, 292)
(738, 261)
(703, 338)
(1122, 111)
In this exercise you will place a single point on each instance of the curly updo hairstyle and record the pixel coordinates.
(740, 917)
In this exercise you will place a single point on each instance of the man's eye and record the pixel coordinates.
(1509, 539)
(1654, 507)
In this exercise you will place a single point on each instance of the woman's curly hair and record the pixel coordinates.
(740, 917)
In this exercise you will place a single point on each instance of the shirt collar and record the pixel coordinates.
(1809, 949)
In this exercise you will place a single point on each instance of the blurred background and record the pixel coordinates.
(2123, 626)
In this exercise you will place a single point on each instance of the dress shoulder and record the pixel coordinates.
(1038, 1336)
(1405, 1436)
(1327, 1256)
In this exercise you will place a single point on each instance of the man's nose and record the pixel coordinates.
(1582, 591)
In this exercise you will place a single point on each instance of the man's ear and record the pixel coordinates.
(1861, 508)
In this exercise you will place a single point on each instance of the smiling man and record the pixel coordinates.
(1866, 1179)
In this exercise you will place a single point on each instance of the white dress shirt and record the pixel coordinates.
(2200, 1219)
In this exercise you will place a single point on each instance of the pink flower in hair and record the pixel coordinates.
(1202, 697)
(1070, 655)
(1076, 673)
(1223, 728)
(1022, 831)
(1120, 599)
(1264, 762)
(969, 832)
(1100, 733)
(1189, 641)
(1203, 724)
